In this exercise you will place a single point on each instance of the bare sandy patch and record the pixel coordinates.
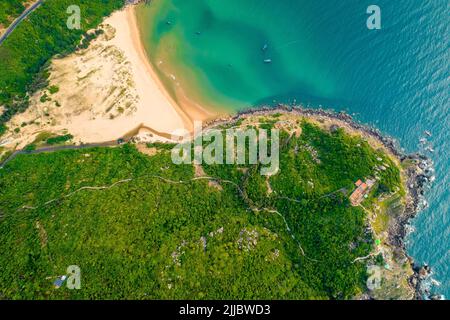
(146, 150)
(198, 171)
(43, 238)
(103, 93)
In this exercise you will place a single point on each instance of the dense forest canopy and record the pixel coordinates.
(9, 10)
(141, 227)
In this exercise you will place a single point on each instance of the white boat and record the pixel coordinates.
(268, 61)
(428, 133)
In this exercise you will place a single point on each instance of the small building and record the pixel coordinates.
(361, 192)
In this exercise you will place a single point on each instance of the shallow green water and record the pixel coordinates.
(225, 48)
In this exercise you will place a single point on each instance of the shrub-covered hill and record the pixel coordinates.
(142, 227)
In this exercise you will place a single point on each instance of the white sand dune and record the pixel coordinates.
(105, 92)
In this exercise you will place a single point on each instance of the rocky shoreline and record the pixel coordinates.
(418, 176)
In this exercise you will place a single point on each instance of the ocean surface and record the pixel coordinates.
(243, 53)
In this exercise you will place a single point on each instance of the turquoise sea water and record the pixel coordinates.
(322, 54)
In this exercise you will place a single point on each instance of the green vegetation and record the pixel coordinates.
(159, 145)
(53, 89)
(59, 139)
(2, 128)
(42, 136)
(152, 232)
(9, 10)
(24, 56)
(30, 147)
(44, 98)
(5, 155)
(89, 37)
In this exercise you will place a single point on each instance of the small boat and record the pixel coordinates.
(264, 48)
(198, 33)
(268, 61)
(430, 149)
(428, 133)
(423, 140)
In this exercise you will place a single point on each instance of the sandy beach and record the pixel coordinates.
(105, 92)
(189, 111)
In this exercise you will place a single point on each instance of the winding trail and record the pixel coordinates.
(314, 199)
(288, 229)
(373, 254)
(97, 188)
(209, 178)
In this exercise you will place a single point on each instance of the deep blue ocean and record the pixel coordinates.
(323, 54)
(397, 79)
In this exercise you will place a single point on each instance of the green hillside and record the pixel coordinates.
(144, 228)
